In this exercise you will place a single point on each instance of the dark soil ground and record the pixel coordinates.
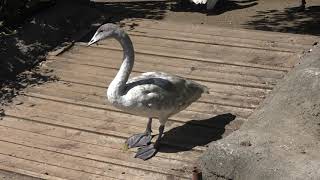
(25, 44)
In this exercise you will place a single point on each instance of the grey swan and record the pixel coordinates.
(152, 94)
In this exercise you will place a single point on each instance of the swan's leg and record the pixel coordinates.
(142, 139)
(150, 150)
(302, 6)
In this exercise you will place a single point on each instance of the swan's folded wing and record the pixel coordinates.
(161, 91)
(164, 81)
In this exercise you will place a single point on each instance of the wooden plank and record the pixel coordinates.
(102, 56)
(218, 40)
(22, 163)
(102, 103)
(116, 119)
(272, 45)
(112, 123)
(38, 169)
(197, 108)
(7, 172)
(174, 142)
(224, 31)
(236, 80)
(205, 43)
(134, 73)
(100, 93)
(86, 167)
(227, 54)
(71, 77)
(94, 139)
(216, 120)
(191, 67)
(197, 58)
(232, 79)
(97, 153)
(222, 121)
(264, 59)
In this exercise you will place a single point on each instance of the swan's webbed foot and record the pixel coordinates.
(142, 139)
(146, 152)
(139, 140)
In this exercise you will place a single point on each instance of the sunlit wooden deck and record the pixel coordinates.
(66, 129)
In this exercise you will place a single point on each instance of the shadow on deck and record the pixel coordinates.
(290, 20)
(196, 133)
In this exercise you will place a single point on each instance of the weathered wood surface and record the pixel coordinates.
(67, 130)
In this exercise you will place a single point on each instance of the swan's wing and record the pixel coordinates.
(180, 81)
(164, 91)
(149, 75)
(166, 82)
(156, 82)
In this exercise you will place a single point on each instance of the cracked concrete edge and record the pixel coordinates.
(281, 139)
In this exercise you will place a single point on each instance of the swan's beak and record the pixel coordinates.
(92, 41)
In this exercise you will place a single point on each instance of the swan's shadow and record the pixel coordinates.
(195, 133)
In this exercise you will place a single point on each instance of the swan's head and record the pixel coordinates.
(103, 32)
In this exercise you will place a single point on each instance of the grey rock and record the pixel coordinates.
(281, 139)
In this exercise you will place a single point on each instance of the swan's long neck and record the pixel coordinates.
(116, 88)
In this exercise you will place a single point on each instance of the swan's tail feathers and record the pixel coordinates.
(205, 89)
(202, 88)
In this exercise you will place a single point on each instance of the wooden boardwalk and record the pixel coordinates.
(67, 130)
